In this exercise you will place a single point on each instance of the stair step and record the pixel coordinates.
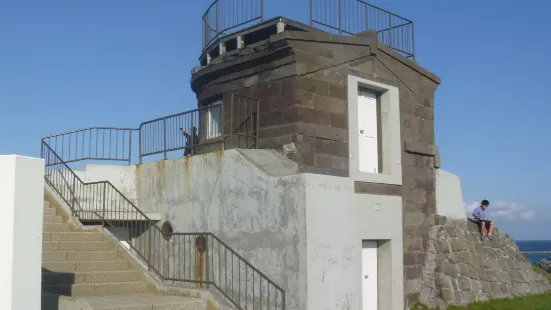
(77, 236)
(76, 245)
(56, 227)
(61, 278)
(53, 219)
(145, 301)
(91, 289)
(49, 211)
(73, 256)
(76, 266)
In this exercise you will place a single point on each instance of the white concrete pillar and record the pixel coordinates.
(21, 204)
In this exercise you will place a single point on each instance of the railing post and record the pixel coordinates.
(149, 245)
(103, 204)
(74, 198)
(130, 148)
(217, 19)
(390, 30)
(412, 41)
(311, 16)
(140, 144)
(261, 10)
(340, 17)
(164, 137)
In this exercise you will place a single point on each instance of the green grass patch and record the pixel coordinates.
(541, 271)
(533, 302)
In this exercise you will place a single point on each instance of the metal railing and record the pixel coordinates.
(162, 135)
(200, 258)
(224, 15)
(355, 16)
(203, 127)
(94, 143)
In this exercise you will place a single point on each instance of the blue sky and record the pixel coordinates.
(72, 64)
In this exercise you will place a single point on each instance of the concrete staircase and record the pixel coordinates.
(89, 267)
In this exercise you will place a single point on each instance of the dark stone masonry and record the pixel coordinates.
(460, 268)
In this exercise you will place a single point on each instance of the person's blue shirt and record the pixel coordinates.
(481, 212)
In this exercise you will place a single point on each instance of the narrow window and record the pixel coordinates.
(214, 120)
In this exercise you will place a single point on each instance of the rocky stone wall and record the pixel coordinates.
(461, 269)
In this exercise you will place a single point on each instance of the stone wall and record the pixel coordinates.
(461, 269)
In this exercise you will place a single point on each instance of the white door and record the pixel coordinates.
(369, 275)
(368, 137)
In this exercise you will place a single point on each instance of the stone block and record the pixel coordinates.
(457, 244)
(464, 283)
(338, 121)
(465, 270)
(329, 104)
(311, 116)
(442, 246)
(447, 295)
(451, 269)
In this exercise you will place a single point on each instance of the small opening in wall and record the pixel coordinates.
(167, 230)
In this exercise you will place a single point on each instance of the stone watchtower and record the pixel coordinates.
(342, 96)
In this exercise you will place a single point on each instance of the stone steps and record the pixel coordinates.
(60, 278)
(85, 265)
(63, 256)
(91, 289)
(76, 266)
(145, 301)
(76, 246)
(56, 227)
(73, 236)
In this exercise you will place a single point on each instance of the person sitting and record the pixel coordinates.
(191, 140)
(480, 217)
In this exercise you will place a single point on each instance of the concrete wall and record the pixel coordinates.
(304, 231)
(449, 197)
(260, 216)
(123, 177)
(337, 222)
(22, 201)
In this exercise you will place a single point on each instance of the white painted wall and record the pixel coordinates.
(21, 203)
(449, 197)
(337, 222)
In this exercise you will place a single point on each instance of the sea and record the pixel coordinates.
(535, 245)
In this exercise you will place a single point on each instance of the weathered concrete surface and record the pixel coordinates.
(337, 220)
(304, 231)
(259, 216)
(461, 269)
(449, 196)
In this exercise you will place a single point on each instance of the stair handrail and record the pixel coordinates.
(52, 160)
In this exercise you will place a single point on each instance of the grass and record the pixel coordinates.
(533, 302)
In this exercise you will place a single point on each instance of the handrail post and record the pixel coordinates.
(412, 41)
(390, 30)
(140, 144)
(340, 17)
(130, 148)
(103, 204)
(164, 137)
(74, 198)
(283, 300)
(149, 245)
